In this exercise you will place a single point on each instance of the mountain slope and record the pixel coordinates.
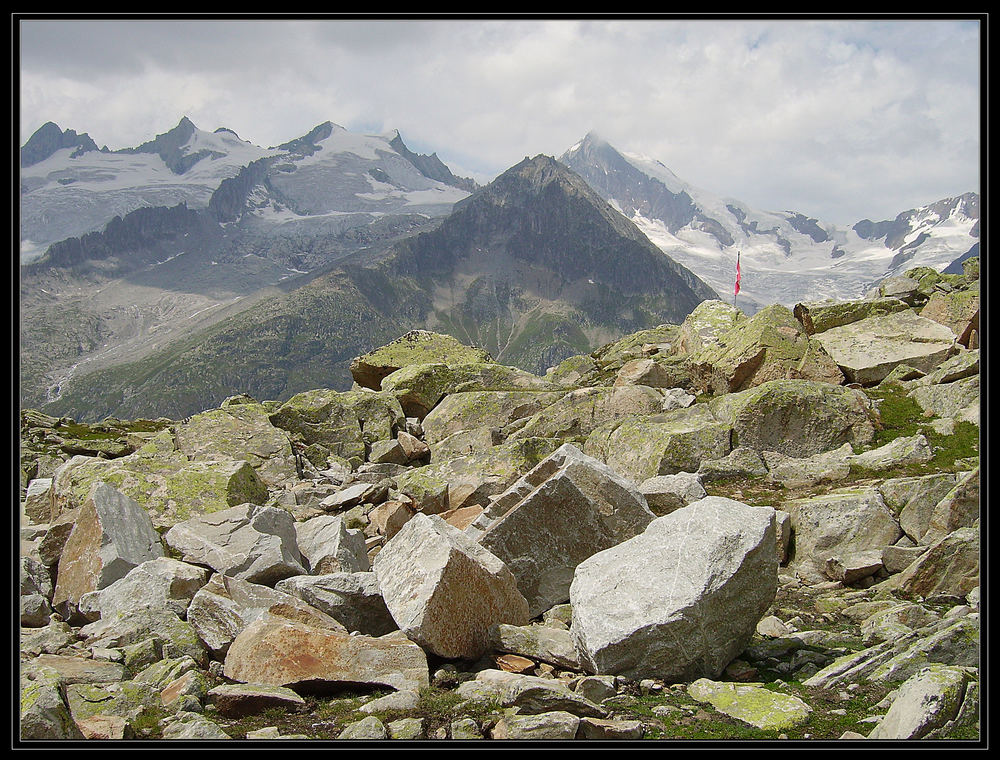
(191, 227)
(534, 267)
(786, 257)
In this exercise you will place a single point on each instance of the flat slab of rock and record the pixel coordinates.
(444, 590)
(752, 703)
(867, 350)
(415, 347)
(682, 599)
(77, 669)
(531, 695)
(241, 431)
(278, 651)
(161, 582)
(238, 700)
(556, 725)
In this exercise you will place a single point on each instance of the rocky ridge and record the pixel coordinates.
(727, 529)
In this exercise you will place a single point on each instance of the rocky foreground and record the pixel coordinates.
(748, 528)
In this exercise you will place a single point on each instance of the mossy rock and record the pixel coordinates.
(797, 418)
(818, 316)
(752, 703)
(577, 413)
(770, 345)
(239, 431)
(420, 387)
(415, 347)
(169, 488)
(705, 326)
(342, 422)
(644, 447)
(473, 478)
(477, 409)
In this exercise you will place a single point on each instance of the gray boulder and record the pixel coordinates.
(564, 510)
(223, 607)
(867, 350)
(926, 701)
(681, 600)
(353, 599)
(444, 590)
(328, 546)
(254, 543)
(161, 582)
(112, 534)
(838, 523)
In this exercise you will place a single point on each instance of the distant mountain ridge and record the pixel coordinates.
(786, 256)
(534, 268)
(70, 188)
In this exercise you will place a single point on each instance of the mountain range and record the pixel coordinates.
(196, 265)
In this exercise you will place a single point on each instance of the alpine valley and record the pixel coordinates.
(161, 279)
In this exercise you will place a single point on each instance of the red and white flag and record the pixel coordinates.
(737, 274)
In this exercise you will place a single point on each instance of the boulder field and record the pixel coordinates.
(741, 527)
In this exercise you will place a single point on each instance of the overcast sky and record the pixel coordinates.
(836, 119)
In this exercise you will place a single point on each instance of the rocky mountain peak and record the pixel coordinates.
(49, 138)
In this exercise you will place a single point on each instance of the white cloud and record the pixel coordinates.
(836, 119)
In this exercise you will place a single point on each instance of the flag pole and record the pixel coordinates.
(737, 289)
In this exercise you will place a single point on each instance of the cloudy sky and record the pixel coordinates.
(837, 119)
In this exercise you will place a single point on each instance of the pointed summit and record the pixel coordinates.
(170, 146)
(49, 138)
(430, 166)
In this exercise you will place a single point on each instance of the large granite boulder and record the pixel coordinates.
(444, 590)
(341, 424)
(681, 600)
(582, 410)
(162, 481)
(420, 387)
(640, 448)
(925, 701)
(770, 345)
(327, 545)
(819, 316)
(473, 478)
(705, 326)
(254, 543)
(162, 582)
(837, 524)
(950, 567)
(353, 599)
(415, 347)
(797, 418)
(957, 310)
(566, 509)
(112, 534)
(867, 350)
(476, 409)
(240, 431)
(225, 606)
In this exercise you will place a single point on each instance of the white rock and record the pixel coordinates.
(444, 590)
(682, 599)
